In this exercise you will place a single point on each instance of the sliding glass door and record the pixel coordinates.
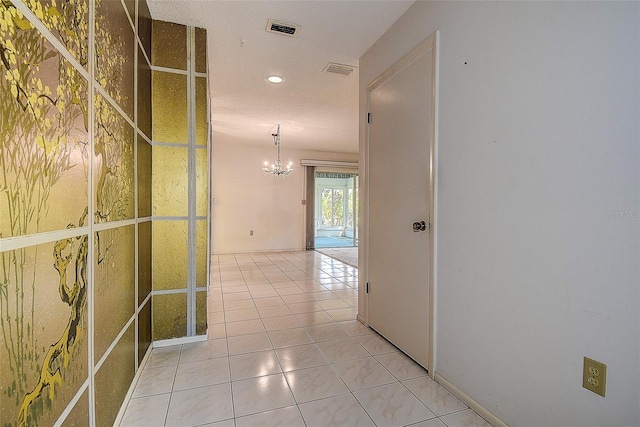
(336, 203)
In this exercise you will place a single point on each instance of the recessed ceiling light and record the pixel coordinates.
(275, 79)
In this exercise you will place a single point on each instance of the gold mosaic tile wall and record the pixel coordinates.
(180, 180)
(79, 189)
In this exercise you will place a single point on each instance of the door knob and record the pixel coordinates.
(419, 226)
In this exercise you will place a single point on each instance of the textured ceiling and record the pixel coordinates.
(317, 110)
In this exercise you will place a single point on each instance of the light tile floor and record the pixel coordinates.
(284, 350)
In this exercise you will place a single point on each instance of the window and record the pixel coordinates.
(332, 207)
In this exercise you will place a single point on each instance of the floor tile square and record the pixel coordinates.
(355, 328)
(280, 323)
(300, 357)
(393, 405)
(243, 314)
(289, 337)
(343, 410)
(261, 394)
(292, 299)
(432, 394)
(217, 331)
(264, 293)
(200, 405)
(332, 304)
(466, 418)
(401, 366)
(203, 350)
(289, 417)
(251, 365)
(314, 318)
(289, 290)
(268, 301)
(201, 373)
(322, 296)
(248, 343)
(244, 327)
(236, 296)
(164, 356)
(215, 317)
(304, 307)
(359, 374)
(327, 332)
(225, 423)
(149, 411)
(315, 383)
(433, 422)
(238, 304)
(274, 311)
(342, 350)
(155, 381)
(375, 344)
(234, 289)
(343, 314)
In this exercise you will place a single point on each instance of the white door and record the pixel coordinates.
(400, 153)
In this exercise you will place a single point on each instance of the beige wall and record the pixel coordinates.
(250, 200)
(538, 202)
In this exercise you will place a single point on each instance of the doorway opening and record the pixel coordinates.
(336, 210)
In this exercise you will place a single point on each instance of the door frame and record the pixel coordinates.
(427, 47)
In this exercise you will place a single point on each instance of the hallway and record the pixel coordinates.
(284, 350)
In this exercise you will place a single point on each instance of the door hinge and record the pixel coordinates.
(367, 288)
(369, 118)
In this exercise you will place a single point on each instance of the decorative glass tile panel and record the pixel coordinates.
(201, 111)
(144, 94)
(144, 260)
(201, 253)
(169, 255)
(113, 175)
(144, 330)
(114, 50)
(170, 183)
(114, 378)
(144, 26)
(169, 107)
(202, 182)
(43, 147)
(131, 9)
(201, 313)
(79, 415)
(43, 330)
(201, 50)
(169, 47)
(114, 275)
(169, 316)
(144, 178)
(67, 20)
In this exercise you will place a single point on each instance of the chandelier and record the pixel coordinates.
(276, 168)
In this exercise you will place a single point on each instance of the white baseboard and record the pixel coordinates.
(480, 410)
(178, 341)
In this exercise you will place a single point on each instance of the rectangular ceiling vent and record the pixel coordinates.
(290, 30)
(332, 67)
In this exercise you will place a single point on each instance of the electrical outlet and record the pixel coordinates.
(250, 232)
(594, 376)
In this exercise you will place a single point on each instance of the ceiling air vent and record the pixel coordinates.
(290, 30)
(332, 67)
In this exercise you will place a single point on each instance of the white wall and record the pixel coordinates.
(538, 211)
(250, 200)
